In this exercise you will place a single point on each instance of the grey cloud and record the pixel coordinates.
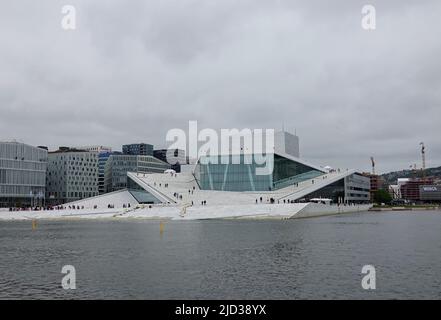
(131, 71)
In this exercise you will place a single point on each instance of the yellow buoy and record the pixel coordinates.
(161, 227)
(34, 224)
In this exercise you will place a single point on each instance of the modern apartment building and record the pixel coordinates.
(22, 174)
(72, 175)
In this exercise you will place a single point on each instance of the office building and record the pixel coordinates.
(22, 174)
(138, 149)
(102, 160)
(430, 193)
(72, 175)
(103, 154)
(117, 166)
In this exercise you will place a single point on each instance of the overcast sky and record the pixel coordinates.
(134, 69)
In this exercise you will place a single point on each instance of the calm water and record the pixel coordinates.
(310, 258)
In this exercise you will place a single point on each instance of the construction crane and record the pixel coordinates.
(423, 156)
(373, 166)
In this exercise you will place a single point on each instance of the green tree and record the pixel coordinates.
(382, 196)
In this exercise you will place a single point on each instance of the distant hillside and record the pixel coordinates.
(391, 177)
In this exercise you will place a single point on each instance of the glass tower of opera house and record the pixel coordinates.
(230, 185)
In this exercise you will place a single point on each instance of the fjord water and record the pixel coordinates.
(225, 259)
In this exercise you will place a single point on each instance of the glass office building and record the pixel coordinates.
(22, 174)
(117, 166)
(236, 173)
(102, 160)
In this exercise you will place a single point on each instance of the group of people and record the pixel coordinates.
(165, 185)
(272, 200)
(61, 207)
(45, 208)
(177, 196)
(38, 208)
(75, 207)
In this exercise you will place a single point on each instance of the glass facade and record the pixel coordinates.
(233, 173)
(140, 194)
(231, 177)
(288, 172)
(102, 159)
(334, 191)
(351, 189)
(22, 174)
(117, 166)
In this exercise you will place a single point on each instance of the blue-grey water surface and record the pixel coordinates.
(317, 258)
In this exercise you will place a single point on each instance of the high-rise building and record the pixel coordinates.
(117, 166)
(22, 174)
(72, 175)
(177, 157)
(138, 149)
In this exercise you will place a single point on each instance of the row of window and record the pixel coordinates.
(7, 190)
(19, 151)
(22, 177)
(358, 189)
(92, 157)
(22, 164)
(358, 195)
(72, 183)
(71, 174)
